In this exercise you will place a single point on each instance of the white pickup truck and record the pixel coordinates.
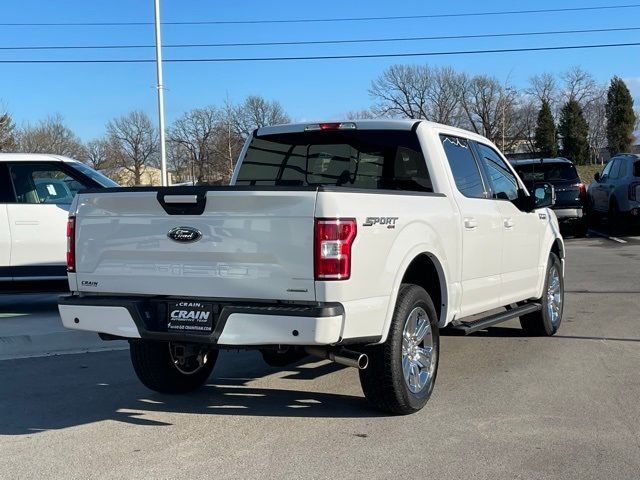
(353, 241)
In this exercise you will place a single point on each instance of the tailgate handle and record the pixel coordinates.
(185, 202)
(180, 199)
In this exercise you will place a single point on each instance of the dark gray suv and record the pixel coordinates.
(616, 191)
(570, 192)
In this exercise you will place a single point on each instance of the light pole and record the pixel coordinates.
(160, 87)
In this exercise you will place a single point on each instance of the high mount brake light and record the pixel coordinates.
(71, 244)
(332, 247)
(330, 126)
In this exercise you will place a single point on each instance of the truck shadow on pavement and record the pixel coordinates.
(51, 393)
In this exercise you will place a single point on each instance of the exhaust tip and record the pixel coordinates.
(363, 362)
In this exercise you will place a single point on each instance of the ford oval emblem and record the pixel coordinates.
(184, 234)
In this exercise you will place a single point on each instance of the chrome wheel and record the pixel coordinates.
(554, 296)
(187, 359)
(418, 353)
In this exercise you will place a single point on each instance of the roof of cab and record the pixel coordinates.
(34, 157)
(382, 124)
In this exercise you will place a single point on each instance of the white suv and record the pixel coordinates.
(36, 191)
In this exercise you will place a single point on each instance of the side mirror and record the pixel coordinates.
(544, 195)
(596, 177)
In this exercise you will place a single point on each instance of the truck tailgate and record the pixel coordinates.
(255, 244)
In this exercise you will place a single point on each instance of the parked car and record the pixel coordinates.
(570, 191)
(36, 191)
(616, 191)
(355, 242)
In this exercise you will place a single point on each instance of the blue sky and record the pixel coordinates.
(89, 95)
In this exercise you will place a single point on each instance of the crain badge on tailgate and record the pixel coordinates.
(390, 222)
(184, 234)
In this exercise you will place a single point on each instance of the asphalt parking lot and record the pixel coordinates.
(505, 405)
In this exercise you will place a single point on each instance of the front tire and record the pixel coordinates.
(172, 368)
(546, 322)
(402, 371)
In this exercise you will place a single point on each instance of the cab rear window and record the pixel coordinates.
(369, 159)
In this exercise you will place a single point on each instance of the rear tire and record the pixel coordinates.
(546, 322)
(402, 371)
(159, 367)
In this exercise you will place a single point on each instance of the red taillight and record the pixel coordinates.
(583, 191)
(633, 191)
(333, 240)
(71, 244)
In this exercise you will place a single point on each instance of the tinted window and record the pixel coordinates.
(463, 166)
(615, 169)
(503, 181)
(636, 169)
(43, 183)
(607, 169)
(361, 159)
(547, 172)
(6, 189)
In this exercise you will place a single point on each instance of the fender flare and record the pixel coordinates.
(415, 252)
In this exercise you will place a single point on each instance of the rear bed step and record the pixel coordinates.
(500, 317)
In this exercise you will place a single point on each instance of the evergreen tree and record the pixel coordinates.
(620, 117)
(546, 139)
(573, 129)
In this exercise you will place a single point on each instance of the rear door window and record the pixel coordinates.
(368, 159)
(464, 167)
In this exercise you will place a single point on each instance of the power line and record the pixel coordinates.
(322, 42)
(328, 57)
(323, 20)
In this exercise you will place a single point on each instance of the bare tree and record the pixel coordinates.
(228, 144)
(445, 96)
(528, 119)
(256, 112)
(50, 135)
(418, 91)
(135, 143)
(364, 114)
(99, 154)
(579, 85)
(543, 87)
(193, 135)
(492, 110)
(401, 91)
(595, 114)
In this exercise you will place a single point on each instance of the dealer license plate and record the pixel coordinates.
(190, 317)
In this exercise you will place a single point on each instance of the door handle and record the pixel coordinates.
(508, 223)
(470, 223)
